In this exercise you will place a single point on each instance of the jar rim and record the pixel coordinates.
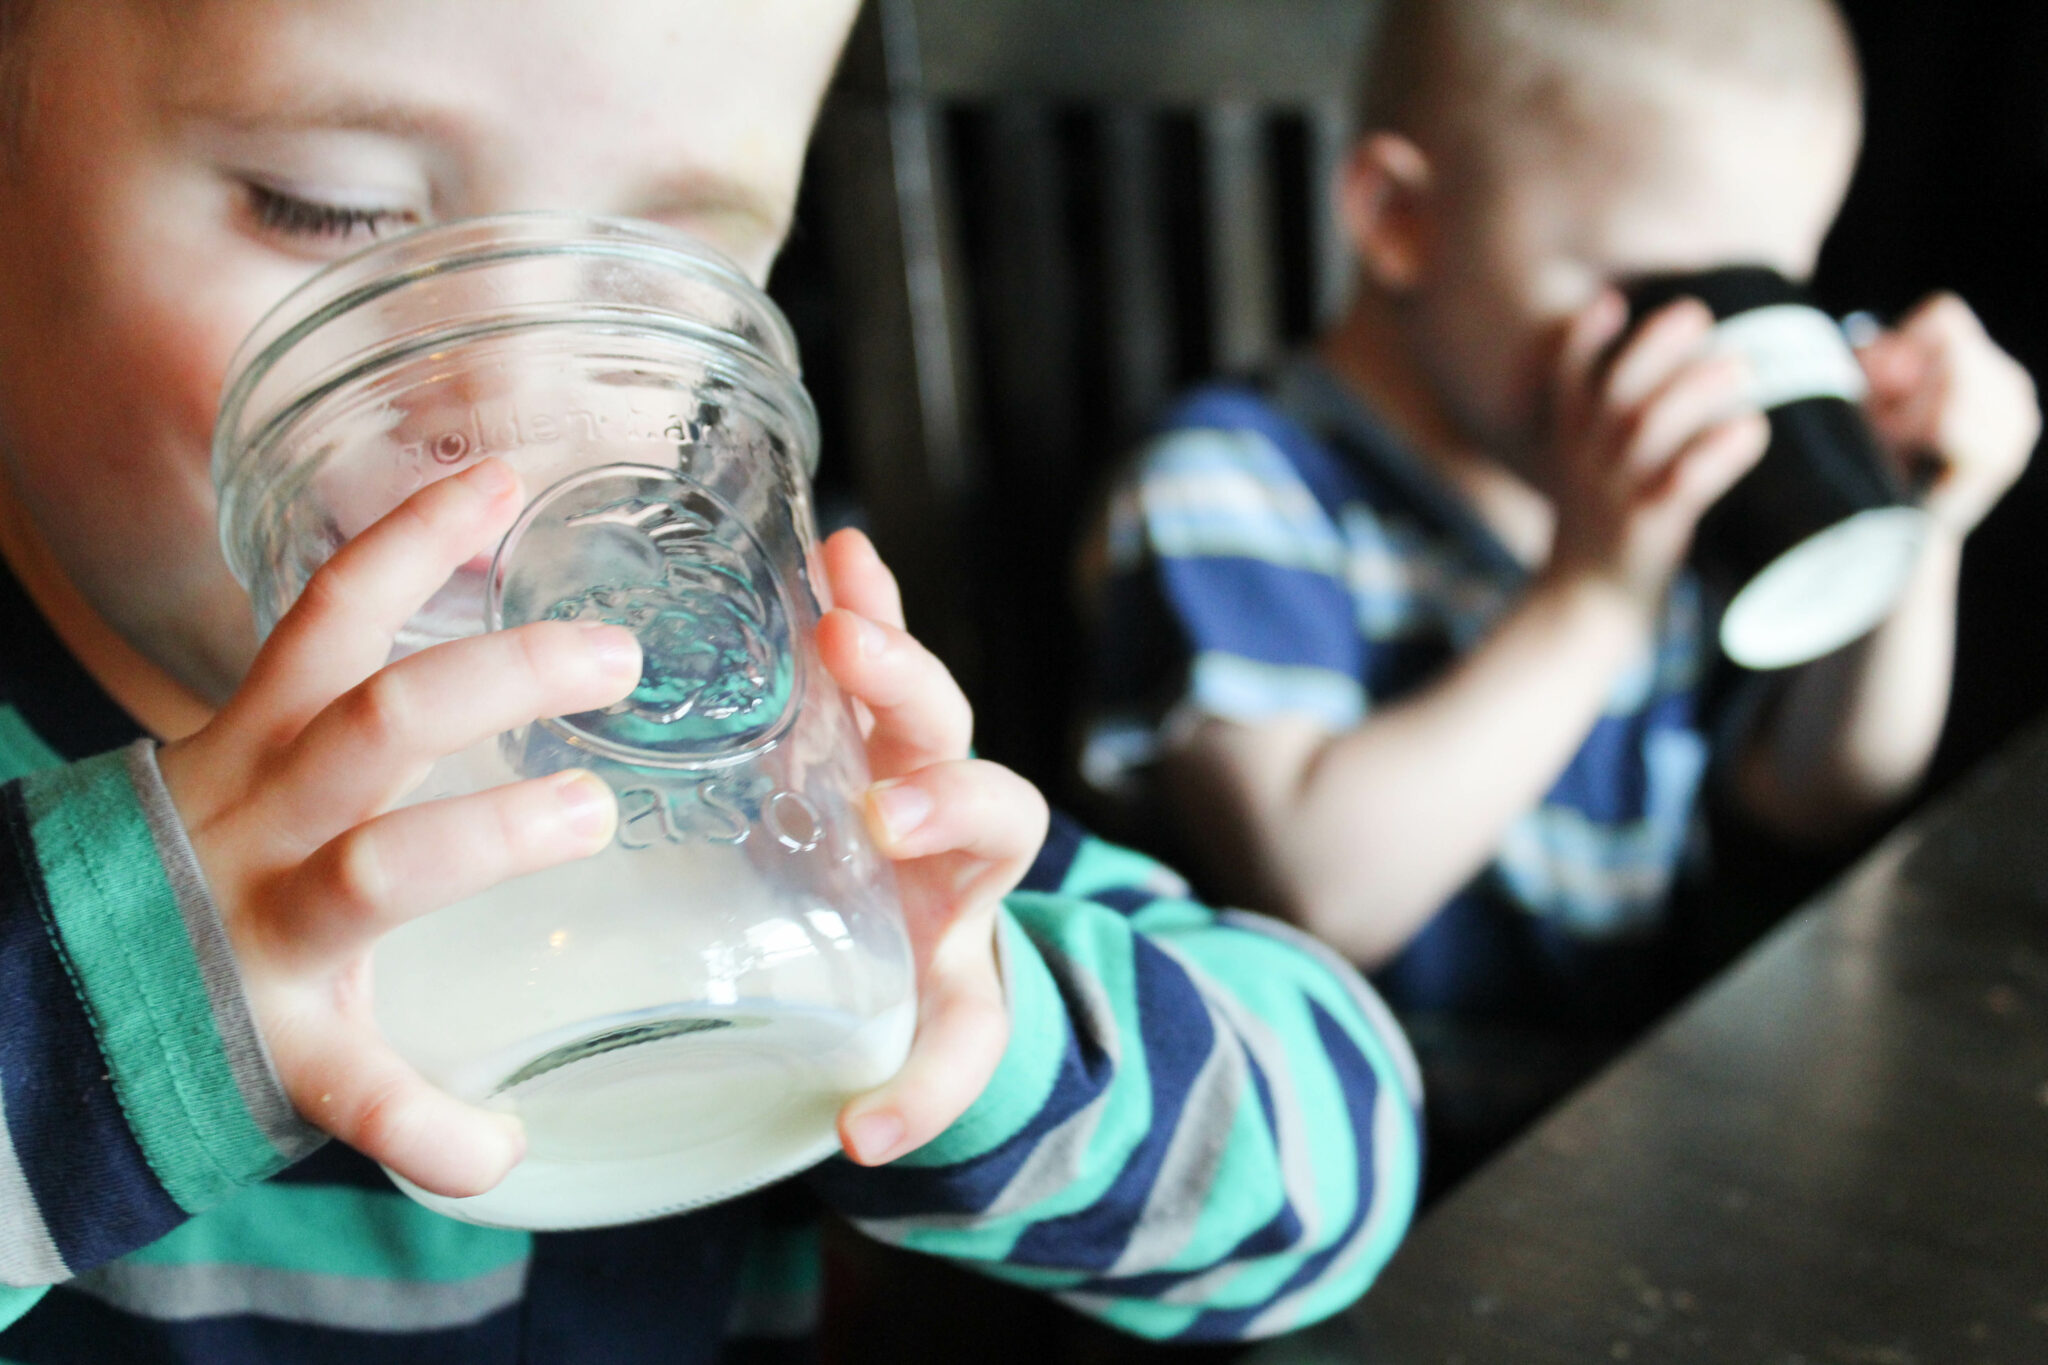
(755, 335)
(422, 253)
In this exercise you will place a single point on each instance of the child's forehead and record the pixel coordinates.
(1683, 169)
(451, 50)
(646, 107)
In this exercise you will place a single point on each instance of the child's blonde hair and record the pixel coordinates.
(1442, 69)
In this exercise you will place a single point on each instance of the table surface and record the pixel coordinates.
(1837, 1154)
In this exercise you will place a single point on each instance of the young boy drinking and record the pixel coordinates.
(1403, 639)
(1188, 1124)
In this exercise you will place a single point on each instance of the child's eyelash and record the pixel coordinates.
(285, 213)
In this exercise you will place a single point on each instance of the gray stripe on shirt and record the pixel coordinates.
(1194, 1155)
(1243, 1037)
(255, 1077)
(1392, 1131)
(1375, 1010)
(182, 1293)
(28, 1254)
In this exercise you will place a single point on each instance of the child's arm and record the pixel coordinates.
(185, 936)
(1850, 735)
(1205, 1126)
(184, 932)
(1362, 834)
(1188, 1124)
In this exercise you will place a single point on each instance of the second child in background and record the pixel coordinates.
(1400, 641)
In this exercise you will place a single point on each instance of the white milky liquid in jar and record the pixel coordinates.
(595, 1002)
(712, 1102)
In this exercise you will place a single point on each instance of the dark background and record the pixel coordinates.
(1952, 193)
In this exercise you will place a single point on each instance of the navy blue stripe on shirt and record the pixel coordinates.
(1361, 1094)
(1063, 841)
(90, 1180)
(647, 1291)
(1227, 408)
(1178, 1037)
(1280, 1233)
(878, 1192)
(1269, 612)
(1126, 900)
(69, 1326)
(1607, 780)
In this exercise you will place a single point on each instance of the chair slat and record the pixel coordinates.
(1329, 134)
(1245, 308)
(1137, 296)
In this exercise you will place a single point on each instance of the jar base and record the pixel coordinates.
(665, 1111)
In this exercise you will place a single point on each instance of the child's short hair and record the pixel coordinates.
(1440, 68)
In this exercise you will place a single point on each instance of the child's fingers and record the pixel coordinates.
(1942, 322)
(1671, 336)
(968, 806)
(373, 744)
(341, 629)
(365, 883)
(1710, 464)
(1697, 396)
(963, 1030)
(1586, 341)
(859, 580)
(349, 1082)
(1895, 367)
(920, 715)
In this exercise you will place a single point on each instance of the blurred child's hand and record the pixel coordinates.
(1645, 442)
(290, 796)
(1946, 400)
(962, 833)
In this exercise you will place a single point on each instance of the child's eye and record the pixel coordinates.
(292, 216)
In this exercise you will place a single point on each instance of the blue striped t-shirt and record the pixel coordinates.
(1273, 551)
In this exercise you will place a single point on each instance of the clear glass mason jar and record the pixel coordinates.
(678, 1019)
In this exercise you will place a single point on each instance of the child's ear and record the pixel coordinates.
(1383, 200)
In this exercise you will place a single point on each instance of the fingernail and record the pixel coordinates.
(869, 637)
(489, 477)
(615, 647)
(587, 803)
(515, 1132)
(874, 1137)
(901, 808)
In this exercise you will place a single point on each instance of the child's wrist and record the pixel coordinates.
(1602, 601)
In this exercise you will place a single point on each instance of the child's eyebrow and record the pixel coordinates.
(291, 112)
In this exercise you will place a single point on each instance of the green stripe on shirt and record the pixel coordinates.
(125, 944)
(1087, 1153)
(338, 1230)
(22, 751)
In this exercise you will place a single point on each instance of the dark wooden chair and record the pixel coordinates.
(1044, 217)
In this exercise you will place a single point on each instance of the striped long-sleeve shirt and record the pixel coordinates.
(1276, 552)
(1204, 1126)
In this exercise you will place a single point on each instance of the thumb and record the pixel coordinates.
(963, 1031)
(352, 1084)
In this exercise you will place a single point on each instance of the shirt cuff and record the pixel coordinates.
(145, 946)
